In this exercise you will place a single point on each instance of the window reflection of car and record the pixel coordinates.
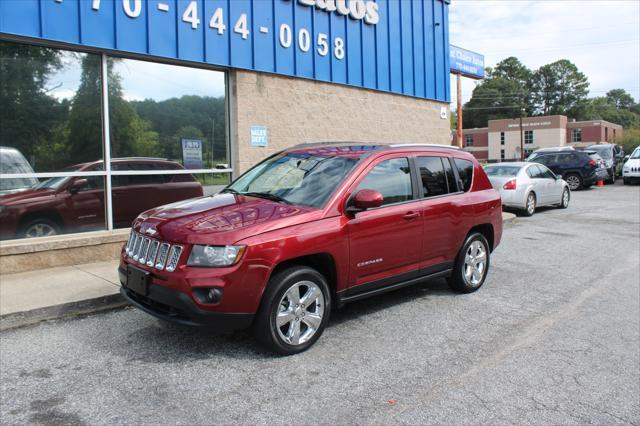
(12, 161)
(71, 204)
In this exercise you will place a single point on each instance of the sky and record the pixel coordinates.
(602, 38)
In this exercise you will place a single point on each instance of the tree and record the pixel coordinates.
(620, 99)
(559, 88)
(492, 100)
(29, 115)
(630, 139)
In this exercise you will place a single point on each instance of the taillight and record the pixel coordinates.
(510, 185)
(593, 163)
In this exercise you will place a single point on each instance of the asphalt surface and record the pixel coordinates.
(553, 337)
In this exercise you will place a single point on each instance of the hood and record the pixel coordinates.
(220, 219)
(24, 196)
(632, 162)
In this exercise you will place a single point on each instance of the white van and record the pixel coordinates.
(12, 161)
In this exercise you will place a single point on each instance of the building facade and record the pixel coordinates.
(501, 139)
(202, 90)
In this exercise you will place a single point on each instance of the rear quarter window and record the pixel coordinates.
(465, 171)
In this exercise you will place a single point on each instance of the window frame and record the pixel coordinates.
(107, 173)
(353, 188)
(468, 140)
(576, 134)
(531, 141)
(503, 138)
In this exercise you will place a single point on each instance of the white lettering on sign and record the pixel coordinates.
(534, 124)
(356, 9)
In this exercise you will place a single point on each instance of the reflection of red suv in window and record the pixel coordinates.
(309, 228)
(70, 204)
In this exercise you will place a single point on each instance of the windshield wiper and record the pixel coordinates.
(266, 195)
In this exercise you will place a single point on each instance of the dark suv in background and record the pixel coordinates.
(613, 157)
(580, 169)
(70, 204)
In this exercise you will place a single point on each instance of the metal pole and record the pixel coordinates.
(106, 141)
(459, 111)
(521, 139)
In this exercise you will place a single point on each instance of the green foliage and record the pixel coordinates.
(511, 89)
(559, 88)
(630, 139)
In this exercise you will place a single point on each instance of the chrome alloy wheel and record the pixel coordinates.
(565, 198)
(475, 263)
(300, 312)
(39, 230)
(573, 181)
(531, 204)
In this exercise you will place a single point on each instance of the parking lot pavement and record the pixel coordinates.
(553, 337)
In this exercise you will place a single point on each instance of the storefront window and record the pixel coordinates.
(167, 138)
(167, 111)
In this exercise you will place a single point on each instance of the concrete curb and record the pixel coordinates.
(508, 219)
(66, 310)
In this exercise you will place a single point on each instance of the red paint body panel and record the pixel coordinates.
(408, 236)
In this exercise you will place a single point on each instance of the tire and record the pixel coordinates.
(612, 177)
(39, 228)
(574, 181)
(530, 206)
(463, 279)
(301, 326)
(625, 182)
(566, 197)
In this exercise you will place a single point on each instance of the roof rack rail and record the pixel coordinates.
(427, 145)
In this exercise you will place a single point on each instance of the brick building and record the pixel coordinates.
(500, 140)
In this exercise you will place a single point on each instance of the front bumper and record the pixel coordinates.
(177, 307)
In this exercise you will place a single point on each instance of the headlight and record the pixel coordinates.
(215, 256)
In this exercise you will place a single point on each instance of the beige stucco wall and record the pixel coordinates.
(542, 138)
(297, 110)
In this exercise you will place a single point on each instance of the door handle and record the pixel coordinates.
(411, 215)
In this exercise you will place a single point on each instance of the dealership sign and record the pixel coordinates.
(466, 62)
(192, 153)
(388, 45)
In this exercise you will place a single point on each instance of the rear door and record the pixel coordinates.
(385, 242)
(553, 186)
(439, 210)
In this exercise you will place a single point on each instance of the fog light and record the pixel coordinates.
(211, 295)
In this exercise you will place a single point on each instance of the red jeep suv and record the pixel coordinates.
(309, 228)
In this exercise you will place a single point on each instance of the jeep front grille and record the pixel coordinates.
(151, 252)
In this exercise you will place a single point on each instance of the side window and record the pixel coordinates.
(451, 179)
(432, 176)
(546, 173)
(391, 178)
(465, 171)
(544, 159)
(532, 171)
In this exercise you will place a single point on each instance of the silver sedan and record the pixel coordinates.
(525, 186)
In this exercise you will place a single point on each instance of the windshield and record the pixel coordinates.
(502, 170)
(307, 178)
(56, 182)
(635, 154)
(603, 150)
(533, 156)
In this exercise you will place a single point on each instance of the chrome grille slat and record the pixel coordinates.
(174, 257)
(153, 250)
(129, 241)
(134, 239)
(162, 256)
(136, 248)
(144, 248)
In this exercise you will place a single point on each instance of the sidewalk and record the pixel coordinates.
(30, 297)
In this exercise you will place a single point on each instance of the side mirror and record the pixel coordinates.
(626, 157)
(558, 177)
(78, 184)
(365, 199)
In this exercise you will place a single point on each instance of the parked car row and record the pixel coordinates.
(550, 174)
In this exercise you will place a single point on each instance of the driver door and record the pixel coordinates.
(385, 242)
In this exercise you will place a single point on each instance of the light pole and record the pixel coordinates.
(521, 136)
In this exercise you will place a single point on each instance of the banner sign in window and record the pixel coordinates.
(468, 63)
(388, 45)
(192, 153)
(259, 136)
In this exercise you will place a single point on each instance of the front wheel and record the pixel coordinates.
(295, 310)
(612, 176)
(472, 264)
(566, 196)
(39, 228)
